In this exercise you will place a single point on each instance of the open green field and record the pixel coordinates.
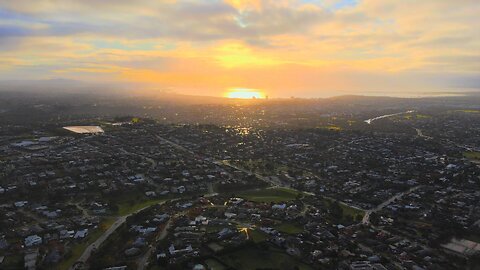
(126, 208)
(468, 111)
(475, 237)
(472, 155)
(268, 195)
(12, 262)
(347, 210)
(77, 249)
(261, 166)
(288, 227)
(214, 229)
(128, 203)
(154, 266)
(257, 236)
(256, 258)
(415, 116)
(331, 127)
(215, 265)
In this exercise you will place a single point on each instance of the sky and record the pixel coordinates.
(283, 48)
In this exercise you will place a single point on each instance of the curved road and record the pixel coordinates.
(88, 251)
(420, 134)
(223, 163)
(143, 261)
(369, 121)
(366, 218)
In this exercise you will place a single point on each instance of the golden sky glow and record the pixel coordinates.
(244, 93)
(287, 47)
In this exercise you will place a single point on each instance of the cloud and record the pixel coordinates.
(187, 20)
(304, 45)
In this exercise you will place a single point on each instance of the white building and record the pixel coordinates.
(33, 240)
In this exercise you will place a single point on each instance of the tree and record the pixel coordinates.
(358, 218)
(336, 210)
(374, 218)
(113, 207)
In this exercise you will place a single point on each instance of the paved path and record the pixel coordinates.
(85, 212)
(477, 223)
(88, 251)
(143, 261)
(259, 176)
(175, 145)
(420, 134)
(366, 218)
(222, 163)
(369, 121)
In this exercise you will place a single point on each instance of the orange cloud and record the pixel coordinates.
(245, 4)
(277, 45)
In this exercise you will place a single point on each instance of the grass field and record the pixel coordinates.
(331, 127)
(256, 258)
(260, 166)
(347, 210)
(129, 202)
(290, 228)
(77, 249)
(12, 262)
(257, 236)
(473, 237)
(126, 208)
(468, 111)
(472, 155)
(215, 265)
(268, 195)
(214, 229)
(415, 116)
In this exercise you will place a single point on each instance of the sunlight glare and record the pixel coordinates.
(245, 93)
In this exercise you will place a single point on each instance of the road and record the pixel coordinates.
(88, 251)
(175, 145)
(211, 191)
(366, 218)
(420, 134)
(150, 160)
(121, 220)
(85, 212)
(224, 163)
(477, 223)
(369, 121)
(221, 163)
(37, 218)
(235, 167)
(143, 261)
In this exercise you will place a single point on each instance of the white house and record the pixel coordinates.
(33, 240)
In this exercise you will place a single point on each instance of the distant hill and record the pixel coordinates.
(62, 90)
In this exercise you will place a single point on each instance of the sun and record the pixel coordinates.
(244, 93)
